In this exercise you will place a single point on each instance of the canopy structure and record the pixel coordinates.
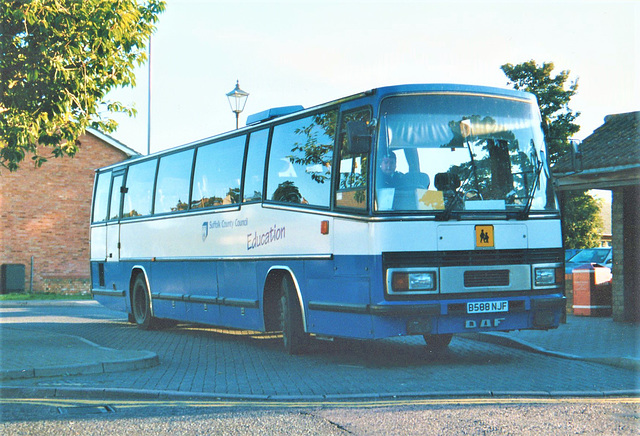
(610, 159)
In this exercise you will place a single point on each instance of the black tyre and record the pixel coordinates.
(141, 304)
(294, 339)
(436, 343)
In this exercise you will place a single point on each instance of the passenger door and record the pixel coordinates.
(113, 220)
(351, 192)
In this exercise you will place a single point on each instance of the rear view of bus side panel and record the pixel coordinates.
(239, 295)
(213, 292)
(108, 286)
(167, 282)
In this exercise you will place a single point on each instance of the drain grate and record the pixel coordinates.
(86, 410)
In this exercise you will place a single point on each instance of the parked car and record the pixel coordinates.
(570, 252)
(600, 256)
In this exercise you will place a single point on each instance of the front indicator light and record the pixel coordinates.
(400, 282)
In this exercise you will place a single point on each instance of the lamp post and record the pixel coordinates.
(149, 103)
(237, 99)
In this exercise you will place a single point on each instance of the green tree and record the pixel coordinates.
(318, 145)
(553, 100)
(58, 61)
(581, 224)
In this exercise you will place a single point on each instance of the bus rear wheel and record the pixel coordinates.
(294, 338)
(437, 343)
(141, 304)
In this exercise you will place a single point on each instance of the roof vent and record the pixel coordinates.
(272, 113)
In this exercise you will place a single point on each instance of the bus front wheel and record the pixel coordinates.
(141, 304)
(436, 343)
(293, 336)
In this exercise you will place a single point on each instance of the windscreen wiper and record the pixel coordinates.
(457, 197)
(524, 214)
(458, 194)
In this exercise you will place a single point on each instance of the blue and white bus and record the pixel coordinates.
(404, 210)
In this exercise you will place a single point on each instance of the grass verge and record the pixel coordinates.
(15, 296)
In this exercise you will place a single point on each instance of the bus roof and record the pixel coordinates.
(272, 113)
(450, 87)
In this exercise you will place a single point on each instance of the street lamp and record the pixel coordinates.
(237, 99)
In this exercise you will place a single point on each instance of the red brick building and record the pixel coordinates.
(45, 212)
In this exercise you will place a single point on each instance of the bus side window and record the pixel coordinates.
(140, 178)
(216, 180)
(114, 208)
(254, 172)
(172, 187)
(101, 197)
(354, 168)
(300, 160)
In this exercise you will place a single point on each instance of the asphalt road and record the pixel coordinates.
(619, 416)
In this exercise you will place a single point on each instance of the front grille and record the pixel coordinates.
(472, 258)
(486, 278)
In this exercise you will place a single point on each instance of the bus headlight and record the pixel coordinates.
(407, 281)
(545, 276)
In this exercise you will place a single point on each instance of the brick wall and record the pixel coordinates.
(617, 241)
(44, 213)
(568, 292)
(631, 261)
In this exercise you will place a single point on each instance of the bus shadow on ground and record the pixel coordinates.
(408, 351)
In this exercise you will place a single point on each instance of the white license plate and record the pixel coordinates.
(488, 306)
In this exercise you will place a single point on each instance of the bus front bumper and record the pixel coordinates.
(443, 317)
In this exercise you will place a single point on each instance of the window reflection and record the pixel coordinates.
(352, 185)
(101, 197)
(114, 209)
(254, 175)
(216, 180)
(140, 178)
(480, 152)
(174, 175)
(300, 160)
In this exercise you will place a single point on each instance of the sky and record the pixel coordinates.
(307, 52)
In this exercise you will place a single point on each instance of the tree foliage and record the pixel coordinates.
(553, 100)
(582, 225)
(58, 61)
(318, 145)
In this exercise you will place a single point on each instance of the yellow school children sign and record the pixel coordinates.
(484, 237)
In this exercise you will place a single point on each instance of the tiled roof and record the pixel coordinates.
(613, 145)
(113, 142)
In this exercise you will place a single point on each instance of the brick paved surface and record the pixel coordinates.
(197, 359)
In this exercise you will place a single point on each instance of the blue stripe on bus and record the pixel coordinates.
(232, 290)
(341, 297)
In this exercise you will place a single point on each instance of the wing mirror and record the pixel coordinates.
(358, 137)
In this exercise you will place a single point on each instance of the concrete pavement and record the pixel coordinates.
(29, 353)
(592, 339)
(26, 353)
